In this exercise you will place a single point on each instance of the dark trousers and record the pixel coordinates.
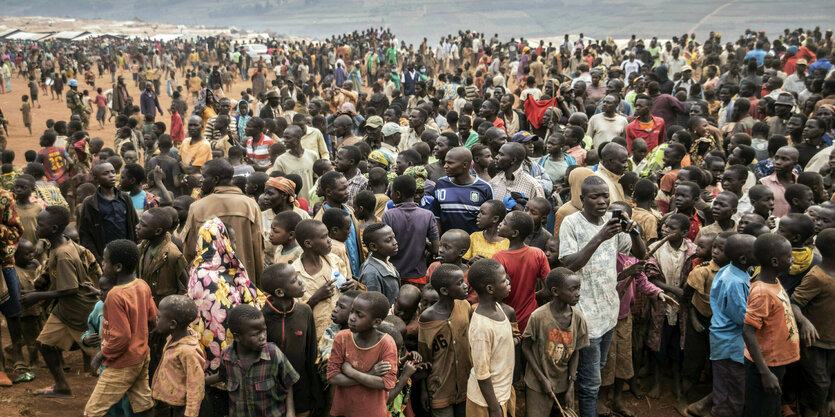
(728, 388)
(696, 349)
(215, 403)
(817, 366)
(757, 402)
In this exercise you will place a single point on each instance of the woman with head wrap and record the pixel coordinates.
(575, 181)
(218, 282)
(279, 196)
(205, 105)
(242, 118)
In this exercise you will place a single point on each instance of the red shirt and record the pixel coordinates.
(523, 266)
(177, 132)
(499, 123)
(653, 137)
(54, 160)
(359, 400)
(101, 101)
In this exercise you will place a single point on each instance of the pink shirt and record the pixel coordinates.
(781, 206)
(640, 282)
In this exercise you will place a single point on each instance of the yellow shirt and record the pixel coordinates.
(197, 154)
(480, 246)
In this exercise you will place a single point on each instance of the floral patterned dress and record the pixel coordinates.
(217, 283)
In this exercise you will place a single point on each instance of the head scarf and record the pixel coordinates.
(575, 181)
(242, 120)
(419, 174)
(218, 282)
(284, 185)
(379, 158)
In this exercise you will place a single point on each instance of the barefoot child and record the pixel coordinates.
(339, 322)
(810, 303)
(525, 265)
(291, 328)
(68, 266)
(161, 264)
(668, 270)
(489, 388)
(487, 242)
(443, 342)
(770, 331)
(363, 361)
(252, 362)
(555, 332)
(728, 302)
(127, 315)
(179, 379)
(28, 269)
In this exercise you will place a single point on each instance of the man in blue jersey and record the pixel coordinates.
(459, 194)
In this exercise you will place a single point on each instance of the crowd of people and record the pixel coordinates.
(476, 228)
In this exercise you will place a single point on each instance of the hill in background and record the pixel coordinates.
(412, 20)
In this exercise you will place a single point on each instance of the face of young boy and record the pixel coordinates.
(569, 292)
(146, 229)
(718, 251)
(22, 189)
(428, 297)
(484, 218)
(278, 236)
(253, 335)
(764, 203)
(458, 288)
(342, 310)
(385, 242)
(361, 320)
(703, 247)
(536, 212)
(405, 305)
(342, 233)
(165, 317)
(505, 230)
(292, 285)
(552, 252)
(321, 243)
(685, 198)
(672, 229)
(722, 207)
(448, 250)
(105, 285)
(339, 192)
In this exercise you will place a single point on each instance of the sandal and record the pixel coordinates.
(24, 374)
(49, 392)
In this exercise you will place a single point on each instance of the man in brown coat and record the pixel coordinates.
(230, 205)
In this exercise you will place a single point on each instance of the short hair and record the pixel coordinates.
(694, 188)
(30, 180)
(183, 308)
(377, 176)
(60, 215)
(411, 156)
(370, 233)
(136, 172)
(809, 178)
(391, 330)
(287, 220)
(521, 222)
(738, 171)
(766, 244)
(306, 229)
(335, 217)
(677, 148)
(236, 152)
(366, 199)
(556, 278)
(352, 152)
(803, 225)
(161, 213)
(496, 207)
(452, 139)
(405, 185)
(759, 190)
(825, 242)
(219, 168)
(748, 154)
(481, 271)
(297, 180)
(328, 181)
(796, 191)
(241, 314)
(681, 220)
(442, 276)
(124, 252)
(379, 303)
(645, 190)
(776, 142)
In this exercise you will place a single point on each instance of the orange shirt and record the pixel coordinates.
(129, 312)
(195, 154)
(770, 312)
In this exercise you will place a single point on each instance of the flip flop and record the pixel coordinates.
(25, 377)
(49, 392)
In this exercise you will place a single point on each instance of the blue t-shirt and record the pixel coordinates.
(139, 200)
(456, 206)
(728, 300)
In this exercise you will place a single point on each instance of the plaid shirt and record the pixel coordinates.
(356, 184)
(261, 390)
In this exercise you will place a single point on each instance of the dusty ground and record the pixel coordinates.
(19, 139)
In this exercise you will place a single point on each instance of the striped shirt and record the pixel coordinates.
(260, 151)
(456, 206)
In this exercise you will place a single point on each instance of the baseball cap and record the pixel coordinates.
(801, 62)
(390, 129)
(523, 136)
(374, 122)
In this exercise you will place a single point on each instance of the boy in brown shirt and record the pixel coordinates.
(70, 268)
(443, 342)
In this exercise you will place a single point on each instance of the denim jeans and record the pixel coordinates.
(592, 361)
(11, 308)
